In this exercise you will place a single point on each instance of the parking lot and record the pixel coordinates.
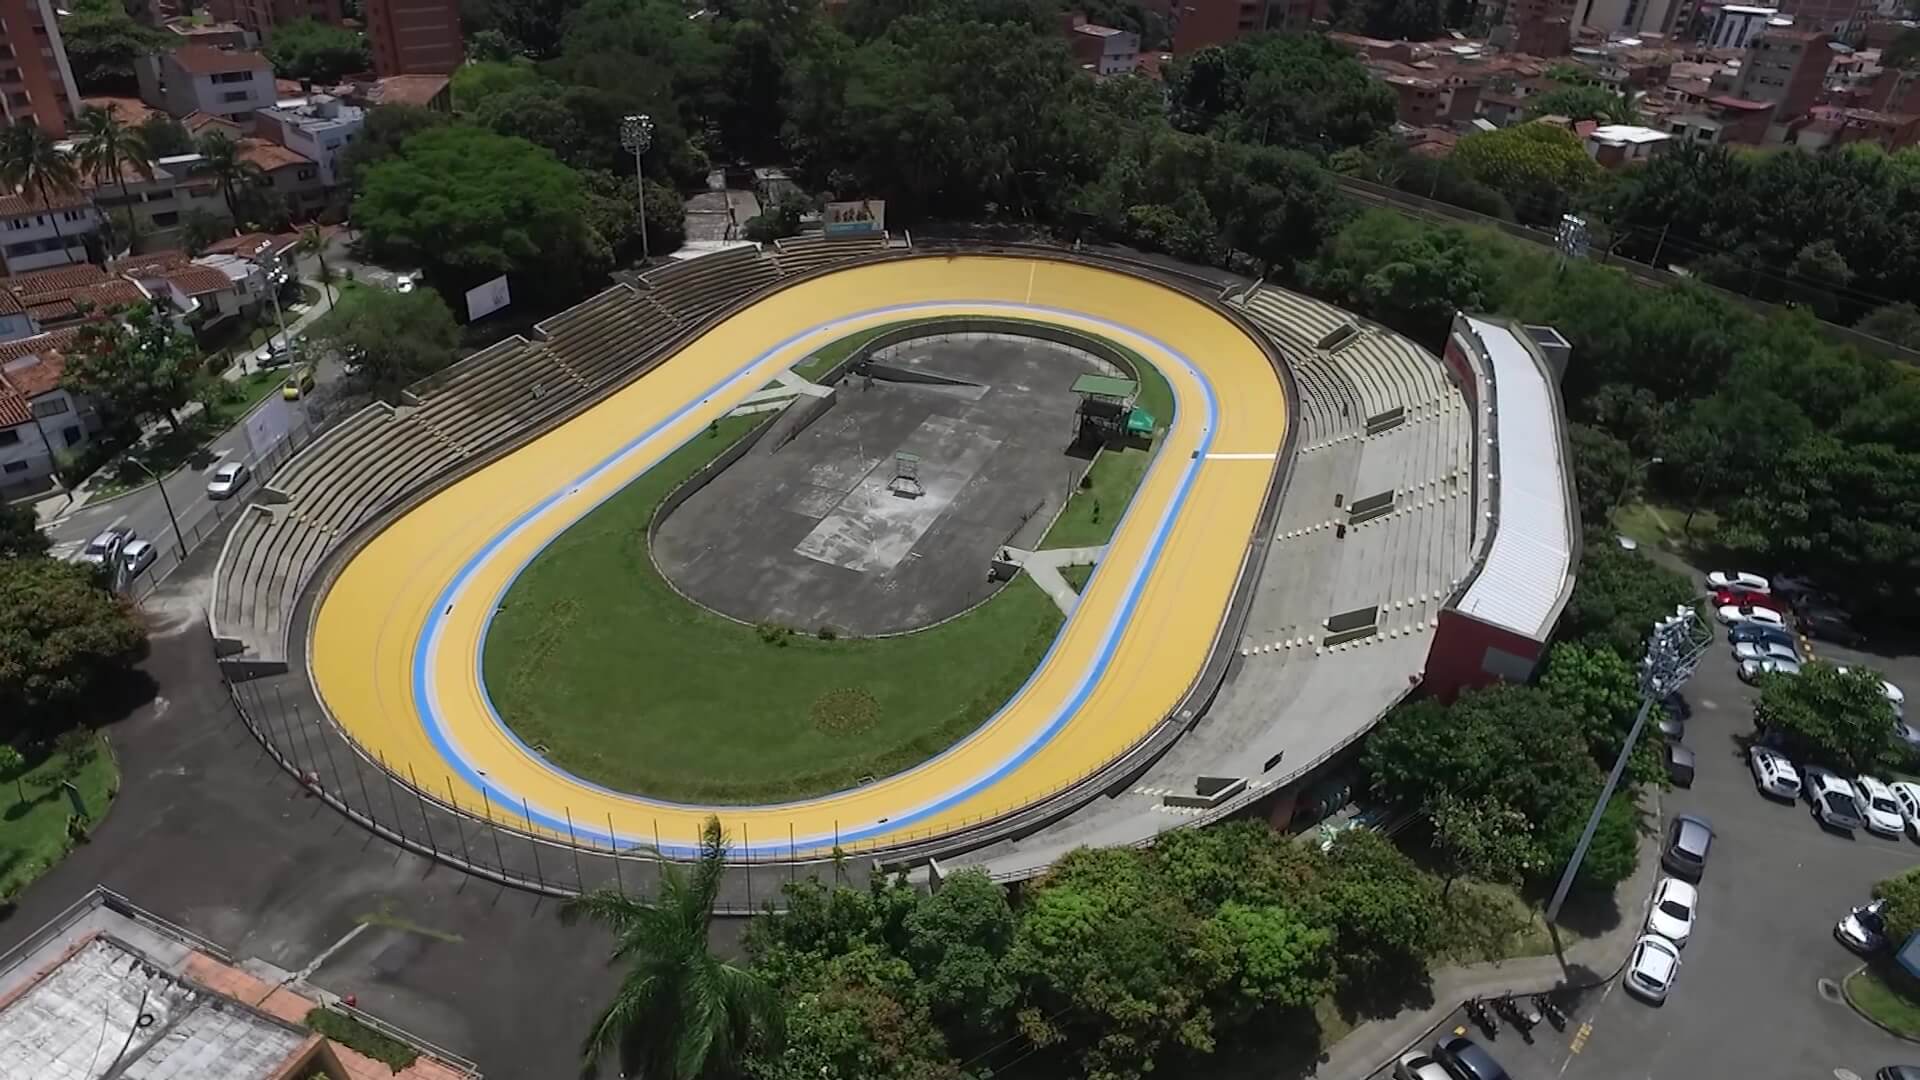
(1757, 993)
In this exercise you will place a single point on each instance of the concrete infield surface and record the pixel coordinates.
(397, 639)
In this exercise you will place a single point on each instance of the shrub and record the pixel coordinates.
(357, 1036)
(826, 633)
(847, 711)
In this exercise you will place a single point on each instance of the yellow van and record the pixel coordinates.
(299, 383)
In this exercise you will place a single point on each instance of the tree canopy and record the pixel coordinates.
(102, 42)
(1829, 717)
(467, 205)
(308, 49)
(390, 339)
(141, 368)
(63, 637)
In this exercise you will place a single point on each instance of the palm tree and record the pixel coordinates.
(312, 243)
(106, 149)
(681, 1013)
(31, 162)
(223, 160)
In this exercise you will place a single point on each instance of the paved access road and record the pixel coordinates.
(1749, 1001)
(397, 643)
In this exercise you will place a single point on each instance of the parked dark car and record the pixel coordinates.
(1680, 765)
(1826, 624)
(1741, 633)
(1467, 1060)
(1685, 851)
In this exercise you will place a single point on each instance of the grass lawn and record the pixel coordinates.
(1876, 998)
(1077, 576)
(1094, 509)
(821, 362)
(33, 834)
(1664, 526)
(595, 659)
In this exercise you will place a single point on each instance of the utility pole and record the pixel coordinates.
(1671, 657)
(636, 134)
(160, 482)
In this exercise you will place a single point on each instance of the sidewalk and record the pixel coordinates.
(1374, 1044)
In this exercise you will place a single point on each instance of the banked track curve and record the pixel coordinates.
(395, 645)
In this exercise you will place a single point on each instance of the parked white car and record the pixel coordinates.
(1651, 971)
(1751, 670)
(1863, 929)
(1737, 579)
(1731, 615)
(1418, 1066)
(1907, 794)
(1834, 802)
(1765, 650)
(104, 550)
(1879, 807)
(230, 477)
(1773, 774)
(1671, 916)
(137, 556)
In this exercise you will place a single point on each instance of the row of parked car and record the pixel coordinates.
(1888, 808)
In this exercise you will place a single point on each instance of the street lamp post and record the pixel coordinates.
(1633, 472)
(1671, 657)
(636, 134)
(179, 540)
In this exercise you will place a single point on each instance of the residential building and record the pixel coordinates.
(1102, 50)
(36, 234)
(261, 16)
(415, 37)
(421, 91)
(1723, 119)
(1540, 27)
(160, 205)
(1735, 23)
(1417, 102)
(1616, 146)
(1895, 90)
(288, 173)
(1786, 67)
(36, 82)
(39, 418)
(203, 293)
(227, 83)
(1632, 17)
(319, 130)
(1844, 19)
(267, 251)
(1833, 127)
(15, 323)
(1200, 23)
(215, 35)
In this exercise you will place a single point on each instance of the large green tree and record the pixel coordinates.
(390, 339)
(1617, 597)
(63, 638)
(140, 368)
(1825, 716)
(312, 50)
(1902, 914)
(681, 1013)
(467, 205)
(1407, 275)
(20, 535)
(103, 42)
(1538, 167)
(1299, 91)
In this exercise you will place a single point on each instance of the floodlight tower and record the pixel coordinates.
(636, 134)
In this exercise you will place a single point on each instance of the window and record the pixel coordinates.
(233, 77)
(167, 219)
(75, 215)
(232, 96)
(306, 173)
(19, 223)
(9, 437)
(16, 466)
(52, 406)
(72, 434)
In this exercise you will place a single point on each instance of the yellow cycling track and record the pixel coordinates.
(395, 646)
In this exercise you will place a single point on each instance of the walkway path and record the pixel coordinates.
(1045, 566)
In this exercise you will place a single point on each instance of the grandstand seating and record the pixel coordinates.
(608, 336)
(798, 254)
(692, 289)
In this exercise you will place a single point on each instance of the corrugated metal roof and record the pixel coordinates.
(1532, 552)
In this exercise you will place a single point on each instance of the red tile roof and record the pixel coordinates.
(60, 277)
(270, 157)
(33, 366)
(417, 90)
(71, 292)
(207, 60)
(128, 110)
(151, 264)
(1727, 101)
(198, 122)
(198, 280)
(253, 245)
(13, 407)
(17, 205)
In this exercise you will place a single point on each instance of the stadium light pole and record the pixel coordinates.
(1671, 657)
(636, 134)
(160, 482)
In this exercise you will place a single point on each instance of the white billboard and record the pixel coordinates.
(484, 300)
(866, 217)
